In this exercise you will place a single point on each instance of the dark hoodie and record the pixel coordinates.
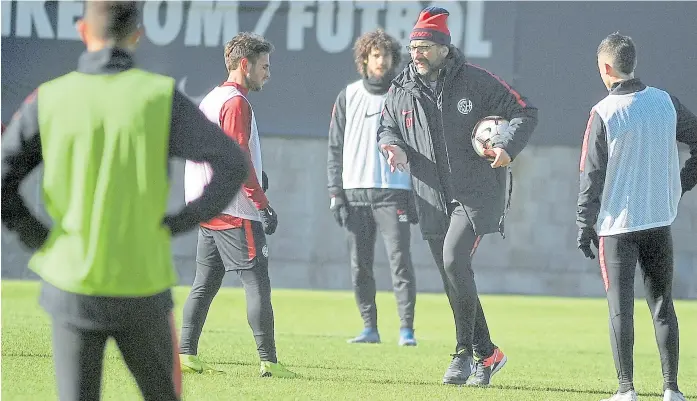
(434, 128)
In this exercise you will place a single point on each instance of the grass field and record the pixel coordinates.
(558, 349)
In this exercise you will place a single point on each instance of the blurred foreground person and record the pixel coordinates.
(104, 134)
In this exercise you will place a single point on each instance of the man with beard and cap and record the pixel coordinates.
(364, 194)
(430, 112)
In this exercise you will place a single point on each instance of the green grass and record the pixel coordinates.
(558, 349)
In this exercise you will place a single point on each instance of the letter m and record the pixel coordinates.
(210, 19)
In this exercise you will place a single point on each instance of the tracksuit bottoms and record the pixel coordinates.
(453, 255)
(619, 254)
(362, 225)
(244, 251)
(142, 327)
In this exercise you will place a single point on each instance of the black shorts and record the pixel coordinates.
(234, 248)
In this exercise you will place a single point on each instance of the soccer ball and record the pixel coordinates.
(489, 130)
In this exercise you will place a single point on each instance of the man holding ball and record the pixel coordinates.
(430, 111)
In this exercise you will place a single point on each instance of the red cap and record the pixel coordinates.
(432, 25)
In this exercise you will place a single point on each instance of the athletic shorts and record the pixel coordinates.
(234, 248)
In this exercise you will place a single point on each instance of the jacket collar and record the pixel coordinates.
(627, 86)
(109, 60)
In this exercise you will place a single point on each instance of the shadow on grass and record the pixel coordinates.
(569, 390)
(296, 365)
(432, 383)
(280, 334)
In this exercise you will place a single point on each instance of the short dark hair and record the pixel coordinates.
(376, 39)
(622, 51)
(245, 45)
(113, 20)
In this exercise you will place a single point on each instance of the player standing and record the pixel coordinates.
(104, 134)
(364, 195)
(235, 240)
(430, 111)
(631, 185)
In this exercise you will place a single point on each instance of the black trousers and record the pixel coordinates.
(453, 255)
(244, 251)
(618, 255)
(393, 223)
(143, 328)
(148, 348)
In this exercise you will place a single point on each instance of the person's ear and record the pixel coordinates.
(81, 28)
(244, 64)
(137, 35)
(608, 69)
(133, 39)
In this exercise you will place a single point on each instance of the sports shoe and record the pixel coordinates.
(406, 337)
(193, 364)
(628, 396)
(269, 369)
(671, 395)
(485, 368)
(459, 370)
(367, 336)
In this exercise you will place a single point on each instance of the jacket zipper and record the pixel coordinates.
(439, 105)
(441, 195)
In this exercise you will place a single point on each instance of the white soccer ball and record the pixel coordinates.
(488, 131)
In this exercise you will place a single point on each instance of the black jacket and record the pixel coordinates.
(435, 128)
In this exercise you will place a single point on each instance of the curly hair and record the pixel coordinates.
(377, 39)
(245, 45)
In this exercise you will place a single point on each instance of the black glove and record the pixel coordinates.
(31, 232)
(269, 219)
(180, 223)
(585, 237)
(264, 181)
(340, 210)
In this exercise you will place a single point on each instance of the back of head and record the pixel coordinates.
(112, 21)
(620, 51)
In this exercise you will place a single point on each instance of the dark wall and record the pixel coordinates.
(545, 49)
(556, 65)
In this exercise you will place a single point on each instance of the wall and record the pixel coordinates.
(546, 50)
(538, 256)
